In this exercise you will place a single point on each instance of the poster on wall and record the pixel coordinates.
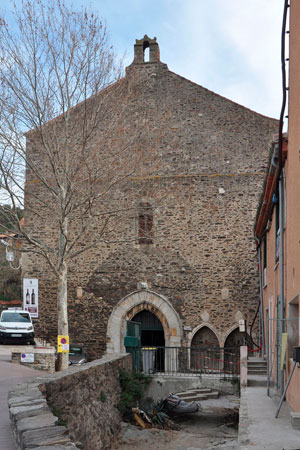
(31, 296)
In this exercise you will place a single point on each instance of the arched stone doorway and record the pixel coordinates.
(205, 350)
(130, 306)
(152, 332)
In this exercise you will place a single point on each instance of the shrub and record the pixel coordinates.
(133, 385)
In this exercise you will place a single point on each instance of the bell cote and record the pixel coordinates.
(140, 47)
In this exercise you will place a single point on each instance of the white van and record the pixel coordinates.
(16, 326)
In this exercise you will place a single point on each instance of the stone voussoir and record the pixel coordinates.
(44, 436)
(55, 447)
(25, 401)
(22, 412)
(35, 422)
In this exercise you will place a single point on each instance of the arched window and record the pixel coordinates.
(145, 224)
(147, 54)
(146, 49)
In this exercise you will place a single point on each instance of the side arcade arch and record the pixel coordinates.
(204, 335)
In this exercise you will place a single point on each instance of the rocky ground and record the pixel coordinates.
(214, 427)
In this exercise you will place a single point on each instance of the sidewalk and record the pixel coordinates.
(10, 375)
(258, 428)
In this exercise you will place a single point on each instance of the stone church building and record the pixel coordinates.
(185, 264)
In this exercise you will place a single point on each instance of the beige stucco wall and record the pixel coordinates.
(292, 229)
(271, 288)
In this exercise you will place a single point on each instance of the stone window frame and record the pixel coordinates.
(145, 223)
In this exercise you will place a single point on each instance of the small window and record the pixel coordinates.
(265, 261)
(293, 325)
(145, 224)
(277, 231)
(265, 252)
(284, 199)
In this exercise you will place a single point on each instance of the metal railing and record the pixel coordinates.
(191, 361)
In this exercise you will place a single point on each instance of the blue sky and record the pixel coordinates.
(229, 46)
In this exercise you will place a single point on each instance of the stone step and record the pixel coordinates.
(257, 367)
(255, 364)
(200, 397)
(197, 396)
(195, 390)
(256, 361)
(257, 370)
(257, 373)
(257, 380)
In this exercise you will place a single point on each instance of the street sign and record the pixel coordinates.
(62, 344)
(27, 357)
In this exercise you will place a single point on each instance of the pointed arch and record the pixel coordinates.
(135, 302)
(229, 332)
(204, 348)
(198, 328)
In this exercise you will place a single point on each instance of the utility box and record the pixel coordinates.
(296, 354)
(130, 341)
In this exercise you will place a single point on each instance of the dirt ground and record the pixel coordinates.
(214, 427)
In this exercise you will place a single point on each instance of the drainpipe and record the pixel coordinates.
(280, 178)
(281, 263)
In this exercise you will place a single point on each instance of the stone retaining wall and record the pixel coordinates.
(162, 386)
(75, 409)
(44, 358)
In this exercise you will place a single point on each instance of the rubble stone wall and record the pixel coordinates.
(72, 409)
(44, 358)
(202, 165)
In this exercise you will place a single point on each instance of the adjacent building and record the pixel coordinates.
(277, 229)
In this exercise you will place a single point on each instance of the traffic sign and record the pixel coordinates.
(62, 344)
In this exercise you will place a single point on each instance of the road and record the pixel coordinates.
(10, 375)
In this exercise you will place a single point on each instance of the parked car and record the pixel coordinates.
(77, 354)
(16, 326)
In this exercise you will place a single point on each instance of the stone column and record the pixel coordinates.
(244, 365)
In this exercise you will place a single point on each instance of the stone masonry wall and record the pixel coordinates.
(202, 165)
(72, 409)
(44, 358)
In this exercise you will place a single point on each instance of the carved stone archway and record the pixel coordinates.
(135, 302)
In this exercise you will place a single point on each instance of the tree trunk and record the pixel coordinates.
(62, 298)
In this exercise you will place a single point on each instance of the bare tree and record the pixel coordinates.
(54, 63)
